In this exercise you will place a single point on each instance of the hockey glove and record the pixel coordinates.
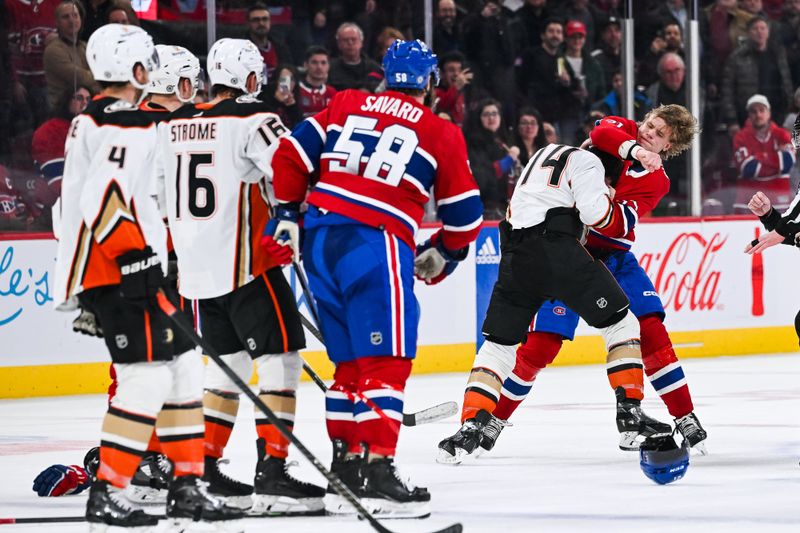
(281, 237)
(86, 324)
(60, 480)
(434, 262)
(142, 277)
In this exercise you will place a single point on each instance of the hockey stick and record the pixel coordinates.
(425, 416)
(42, 520)
(171, 311)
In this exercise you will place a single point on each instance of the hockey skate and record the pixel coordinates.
(189, 501)
(491, 432)
(689, 426)
(350, 471)
(235, 492)
(386, 495)
(107, 507)
(633, 424)
(453, 450)
(278, 493)
(150, 482)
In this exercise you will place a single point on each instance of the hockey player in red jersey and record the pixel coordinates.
(377, 157)
(665, 132)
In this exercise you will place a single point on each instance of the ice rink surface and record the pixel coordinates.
(557, 469)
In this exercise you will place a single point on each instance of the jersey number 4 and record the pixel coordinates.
(201, 197)
(388, 161)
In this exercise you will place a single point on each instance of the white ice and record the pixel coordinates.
(557, 469)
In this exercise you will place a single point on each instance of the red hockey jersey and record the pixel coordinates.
(377, 158)
(637, 191)
(30, 23)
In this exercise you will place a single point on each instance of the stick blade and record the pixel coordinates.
(431, 414)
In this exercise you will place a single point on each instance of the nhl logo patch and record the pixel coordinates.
(122, 341)
(602, 303)
(251, 343)
(375, 338)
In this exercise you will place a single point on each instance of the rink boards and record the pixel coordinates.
(718, 301)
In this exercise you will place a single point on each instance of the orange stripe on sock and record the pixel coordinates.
(277, 444)
(187, 455)
(116, 466)
(631, 379)
(217, 437)
(154, 445)
(474, 402)
(277, 313)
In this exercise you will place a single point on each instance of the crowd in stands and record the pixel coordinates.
(515, 75)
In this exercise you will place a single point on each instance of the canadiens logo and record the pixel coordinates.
(559, 310)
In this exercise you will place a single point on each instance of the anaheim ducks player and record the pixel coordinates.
(112, 254)
(561, 191)
(215, 158)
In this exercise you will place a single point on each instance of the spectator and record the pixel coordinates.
(669, 11)
(612, 103)
(281, 95)
(65, 63)
(756, 67)
(352, 69)
(550, 133)
(790, 37)
(446, 33)
(450, 91)
(580, 11)
(384, 40)
(608, 54)
(47, 147)
(586, 83)
(96, 13)
(543, 78)
(13, 213)
(533, 16)
(319, 28)
(722, 25)
(31, 24)
(272, 49)
(528, 135)
(794, 110)
(669, 39)
(315, 93)
(492, 161)
(492, 43)
(764, 155)
(118, 14)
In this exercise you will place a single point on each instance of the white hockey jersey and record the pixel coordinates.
(107, 207)
(217, 198)
(561, 176)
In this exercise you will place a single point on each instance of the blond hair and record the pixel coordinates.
(682, 126)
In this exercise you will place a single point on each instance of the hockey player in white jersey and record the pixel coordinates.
(560, 192)
(215, 157)
(112, 255)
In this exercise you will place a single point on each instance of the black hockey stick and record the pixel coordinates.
(171, 311)
(42, 520)
(425, 416)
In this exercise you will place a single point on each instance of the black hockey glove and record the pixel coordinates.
(142, 277)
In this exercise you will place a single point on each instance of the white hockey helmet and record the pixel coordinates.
(230, 62)
(114, 49)
(176, 62)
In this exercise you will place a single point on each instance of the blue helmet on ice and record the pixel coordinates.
(409, 64)
(662, 460)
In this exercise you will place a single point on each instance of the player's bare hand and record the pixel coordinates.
(768, 240)
(759, 204)
(611, 192)
(651, 161)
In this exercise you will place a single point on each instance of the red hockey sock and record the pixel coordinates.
(340, 404)
(381, 383)
(538, 351)
(663, 368)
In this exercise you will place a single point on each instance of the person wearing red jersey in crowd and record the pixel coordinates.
(377, 157)
(47, 147)
(274, 51)
(666, 131)
(315, 93)
(450, 93)
(13, 212)
(764, 156)
(31, 24)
